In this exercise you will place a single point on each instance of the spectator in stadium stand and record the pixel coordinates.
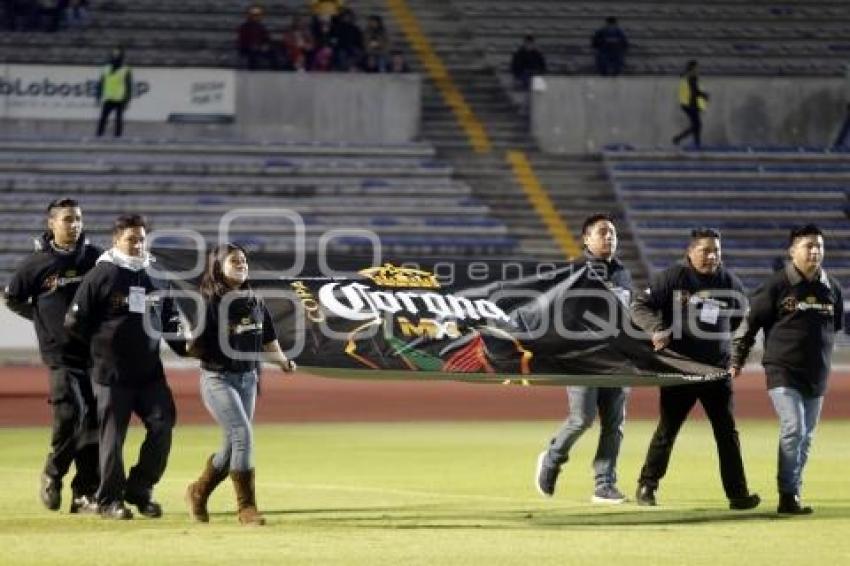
(119, 311)
(15, 14)
(371, 64)
(398, 64)
(298, 44)
(377, 43)
(323, 60)
(600, 247)
(326, 10)
(20, 15)
(610, 44)
(114, 92)
(236, 321)
(50, 13)
(76, 14)
(692, 308)
(527, 62)
(349, 44)
(7, 12)
(325, 40)
(253, 42)
(41, 290)
(800, 309)
(693, 101)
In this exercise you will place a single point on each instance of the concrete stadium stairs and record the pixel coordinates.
(401, 193)
(577, 185)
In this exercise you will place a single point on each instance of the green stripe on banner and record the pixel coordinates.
(619, 380)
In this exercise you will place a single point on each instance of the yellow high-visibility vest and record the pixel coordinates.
(115, 84)
(685, 95)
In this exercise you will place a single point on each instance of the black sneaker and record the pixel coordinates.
(146, 506)
(83, 504)
(115, 510)
(50, 492)
(789, 504)
(545, 476)
(750, 501)
(609, 495)
(645, 496)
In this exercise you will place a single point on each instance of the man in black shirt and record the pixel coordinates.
(691, 309)
(41, 290)
(610, 44)
(526, 63)
(600, 247)
(109, 310)
(800, 308)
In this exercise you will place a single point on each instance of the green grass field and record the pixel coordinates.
(442, 494)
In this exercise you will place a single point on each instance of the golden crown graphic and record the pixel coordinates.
(391, 276)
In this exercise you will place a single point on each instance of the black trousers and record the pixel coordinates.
(694, 126)
(154, 405)
(105, 111)
(676, 403)
(74, 436)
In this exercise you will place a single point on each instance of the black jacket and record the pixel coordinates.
(42, 289)
(122, 351)
(528, 61)
(681, 293)
(246, 324)
(799, 319)
(610, 40)
(613, 273)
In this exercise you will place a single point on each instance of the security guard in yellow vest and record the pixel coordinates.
(116, 86)
(693, 101)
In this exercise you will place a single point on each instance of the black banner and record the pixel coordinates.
(473, 321)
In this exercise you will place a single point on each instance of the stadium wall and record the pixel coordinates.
(221, 103)
(585, 114)
(330, 107)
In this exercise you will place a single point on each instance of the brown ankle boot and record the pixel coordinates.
(199, 492)
(246, 502)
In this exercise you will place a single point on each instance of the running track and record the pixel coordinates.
(305, 398)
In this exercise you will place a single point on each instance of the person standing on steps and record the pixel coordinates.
(114, 92)
(693, 101)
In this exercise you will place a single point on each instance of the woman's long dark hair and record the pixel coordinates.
(213, 284)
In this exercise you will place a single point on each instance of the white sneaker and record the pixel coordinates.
(608, 495)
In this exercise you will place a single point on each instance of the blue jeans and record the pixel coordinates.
(798, 417)
(230, 399)
(584, 403)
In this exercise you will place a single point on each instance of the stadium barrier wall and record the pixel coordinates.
(585, 114)
(18, 332)
(189, 102)
(329, 107)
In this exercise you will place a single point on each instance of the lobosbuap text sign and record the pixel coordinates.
(53, 92)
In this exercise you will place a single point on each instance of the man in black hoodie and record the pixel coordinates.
(118, 309)
(41, 290)
(526, 63)
(692, 308)
(800, 308)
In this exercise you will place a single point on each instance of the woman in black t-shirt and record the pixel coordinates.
(236, 337)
